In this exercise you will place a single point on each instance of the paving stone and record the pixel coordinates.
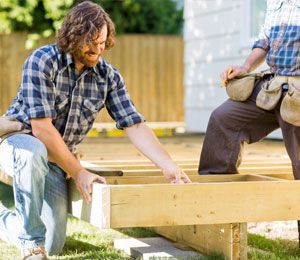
(154, 248)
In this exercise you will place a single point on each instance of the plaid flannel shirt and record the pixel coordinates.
(51, 87)
(280, 36)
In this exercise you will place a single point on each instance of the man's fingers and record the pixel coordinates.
(89, 188)
(227, 74)
(100, 179)
(186, 179)
(223, 77)
(85, 192)
(177, 177)
(177, 181)
(233, 74)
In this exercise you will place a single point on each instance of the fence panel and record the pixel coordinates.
(151, 65)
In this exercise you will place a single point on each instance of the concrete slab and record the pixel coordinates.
(154, 248)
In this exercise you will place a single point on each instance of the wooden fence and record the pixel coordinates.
(152, 67)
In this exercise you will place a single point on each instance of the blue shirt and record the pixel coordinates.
(280, 36)
(52, 87)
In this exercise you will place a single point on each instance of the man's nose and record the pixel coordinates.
(97, 48)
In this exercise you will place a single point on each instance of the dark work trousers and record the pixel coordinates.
(233, 123)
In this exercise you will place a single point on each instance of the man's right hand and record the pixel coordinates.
(232, 72)
(84, 182)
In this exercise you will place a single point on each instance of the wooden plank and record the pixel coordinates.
(256, 177)
(149, 166)
(103, 171)
(206, 203)
(228, 239)
(178, 91)
(287, 176)
(193, 171)
(191, 161)
(98, 212)
(194, 178)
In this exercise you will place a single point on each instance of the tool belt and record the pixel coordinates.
(10, 126)
(271, 92)
(241, 87)
(290, 105)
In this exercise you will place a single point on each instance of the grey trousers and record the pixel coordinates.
(233, 123)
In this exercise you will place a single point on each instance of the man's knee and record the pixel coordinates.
(30, 152)
(38, 151)
(217, 115)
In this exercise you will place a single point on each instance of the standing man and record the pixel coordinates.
(234, 123)
(63, 88)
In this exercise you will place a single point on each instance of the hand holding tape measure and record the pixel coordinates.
(230, 73)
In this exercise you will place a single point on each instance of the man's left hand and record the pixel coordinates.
(176, 175)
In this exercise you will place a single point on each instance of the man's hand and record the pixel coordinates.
(176, 175)
(84, 182)
(232, 72)
(256, 57)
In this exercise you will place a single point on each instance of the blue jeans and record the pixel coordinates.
(40, 195)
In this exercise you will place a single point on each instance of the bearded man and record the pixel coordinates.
(63, 88)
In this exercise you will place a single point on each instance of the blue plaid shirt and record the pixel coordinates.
(51, 87)
(280, 36)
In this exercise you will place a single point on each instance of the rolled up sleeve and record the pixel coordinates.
(119, 104)
(37, 87)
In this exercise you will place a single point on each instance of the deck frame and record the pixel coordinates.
(131, 201)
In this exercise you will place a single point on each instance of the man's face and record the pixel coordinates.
(90, 53)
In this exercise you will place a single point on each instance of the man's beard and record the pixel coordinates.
(82, 59)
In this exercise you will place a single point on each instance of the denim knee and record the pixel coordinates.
(33, 154)
(38, 148)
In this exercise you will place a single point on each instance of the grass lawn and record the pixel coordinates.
(87, 242)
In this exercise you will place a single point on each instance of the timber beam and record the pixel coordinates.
(140, 205)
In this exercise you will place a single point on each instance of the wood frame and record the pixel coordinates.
(150, 205)
(209, 215)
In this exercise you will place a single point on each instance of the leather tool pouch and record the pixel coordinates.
(9, 126)
(270, 93)
(241, 88)
(290, 105)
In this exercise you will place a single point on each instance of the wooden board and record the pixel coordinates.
(141, 205)
(228, 239)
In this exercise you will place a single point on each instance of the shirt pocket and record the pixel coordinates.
(61, 104)
(89, 110)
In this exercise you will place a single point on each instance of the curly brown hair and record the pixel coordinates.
(82, 25)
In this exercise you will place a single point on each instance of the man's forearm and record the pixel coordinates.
(58, 152)
(144, 139)
(256, 58)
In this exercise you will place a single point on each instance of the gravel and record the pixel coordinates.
(276, 229)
